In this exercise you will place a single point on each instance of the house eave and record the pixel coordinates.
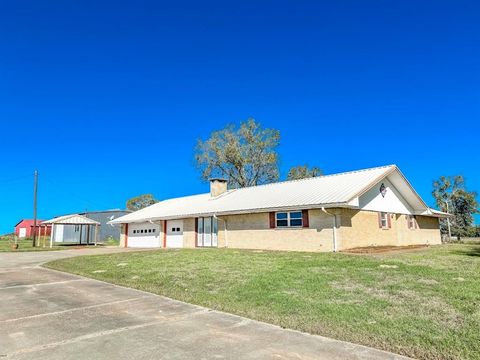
(239, 212)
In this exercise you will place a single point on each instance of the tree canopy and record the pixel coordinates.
(451, 195)
(303, 172)
(140, 202)
(245, 155)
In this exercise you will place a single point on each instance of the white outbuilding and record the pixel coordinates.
(63, 226)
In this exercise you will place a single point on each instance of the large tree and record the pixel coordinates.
(451, 195)
(303, 172)
(140, 202)
(245, 155)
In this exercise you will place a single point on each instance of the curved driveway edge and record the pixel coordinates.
(47, 314)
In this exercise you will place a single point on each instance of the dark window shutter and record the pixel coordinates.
(305, 222)
(196, 231)
(389, 220)
(415, 221)
(380, 220)
(272, 220)
(126, 235)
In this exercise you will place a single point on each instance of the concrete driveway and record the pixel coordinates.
(45, 314)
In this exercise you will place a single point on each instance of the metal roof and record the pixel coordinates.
(337, 190)
(73, 219)
(436, 213)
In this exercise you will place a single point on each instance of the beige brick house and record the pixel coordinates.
(371, 207)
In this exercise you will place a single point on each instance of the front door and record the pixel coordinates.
(174, 233)
(22, 233)
(207, 232)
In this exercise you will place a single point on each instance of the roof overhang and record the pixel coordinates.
(74, 219)
(436, 213)
(237, 212)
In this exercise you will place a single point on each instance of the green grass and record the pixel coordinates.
(423, 303)
(111, 242)
(25, 244)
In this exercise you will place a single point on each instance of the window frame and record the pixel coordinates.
(384, 227)
(289, 219)
(412, 222)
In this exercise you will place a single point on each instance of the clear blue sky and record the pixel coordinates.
(107, 98)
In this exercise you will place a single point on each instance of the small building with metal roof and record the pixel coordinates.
(81, 233)
(71, 220)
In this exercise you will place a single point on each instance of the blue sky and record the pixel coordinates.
(107, 98)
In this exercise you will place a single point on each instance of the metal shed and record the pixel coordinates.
(74, 219)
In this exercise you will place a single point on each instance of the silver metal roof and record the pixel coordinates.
(337, 190)
(73, 219)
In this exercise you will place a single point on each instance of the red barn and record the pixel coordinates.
(24, 228)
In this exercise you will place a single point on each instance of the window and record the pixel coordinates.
(282, 219)
(384, 220)
(411, 221)
(289, 219)
(207, 232)
(144, 231)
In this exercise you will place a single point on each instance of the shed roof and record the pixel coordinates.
(73, 219)
(337, 190)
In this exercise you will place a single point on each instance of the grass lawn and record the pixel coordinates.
(423, 303)
(111, 242)
(25, 244)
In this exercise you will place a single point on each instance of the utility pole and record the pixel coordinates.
(35, 186)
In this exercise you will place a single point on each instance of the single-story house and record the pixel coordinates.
(24, 228)
(371, 207)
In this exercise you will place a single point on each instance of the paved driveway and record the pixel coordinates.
(45, 314)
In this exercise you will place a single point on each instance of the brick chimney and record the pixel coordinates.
(217, 186)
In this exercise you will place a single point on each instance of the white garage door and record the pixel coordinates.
(22, 233)
(144, 235)
(174, 233)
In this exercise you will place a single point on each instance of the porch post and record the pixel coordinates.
(51, 235)
(96, 234)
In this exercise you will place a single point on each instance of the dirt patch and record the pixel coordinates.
(427, 281)
(385, 266)
(382, 249)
